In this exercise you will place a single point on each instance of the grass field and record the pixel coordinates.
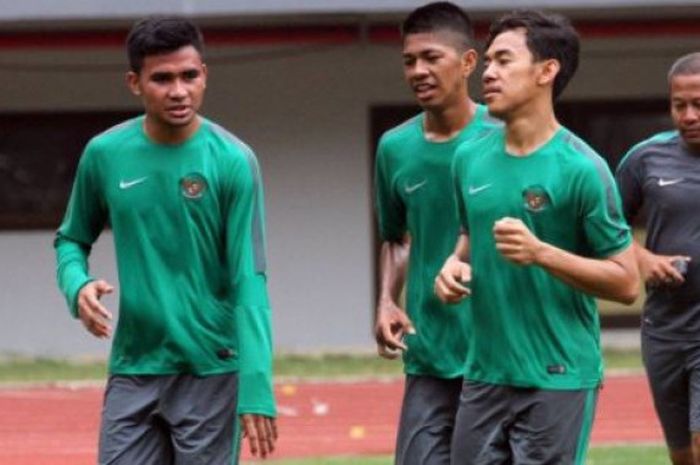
(627, 455)
(16, 369)
(623, 360)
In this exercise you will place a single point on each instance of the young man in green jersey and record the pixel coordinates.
(418, 224)
(661, 177)
(543, 233)
(183, 198)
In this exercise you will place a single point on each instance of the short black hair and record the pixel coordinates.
(548, 36)
(158, 35)
(440, 16)
(685, 65)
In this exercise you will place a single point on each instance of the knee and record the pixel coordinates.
(684, 456)
(696, 449)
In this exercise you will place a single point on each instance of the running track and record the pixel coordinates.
(58, 426)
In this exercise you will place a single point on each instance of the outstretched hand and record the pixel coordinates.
(95, 316)
(659, 270)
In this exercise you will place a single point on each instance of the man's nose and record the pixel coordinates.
(690, 114)
(177, 89)
(420, 68)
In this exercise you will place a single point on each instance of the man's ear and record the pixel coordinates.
(549, 70)
(205, 73)
(469, 62)
(132, 82)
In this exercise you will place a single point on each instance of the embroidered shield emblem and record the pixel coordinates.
(193, 186)
(536, 199)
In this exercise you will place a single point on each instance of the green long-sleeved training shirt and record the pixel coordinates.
(187, 221)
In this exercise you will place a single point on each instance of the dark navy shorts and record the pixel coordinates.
(505, 425)
(427, 420)
(673, 370)
(168, 420)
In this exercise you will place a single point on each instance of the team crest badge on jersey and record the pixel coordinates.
(536, 199)
(193, 186)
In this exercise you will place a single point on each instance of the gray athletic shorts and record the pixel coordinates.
(168, 420)
(498, 425)
(427, 420)
(673, 370)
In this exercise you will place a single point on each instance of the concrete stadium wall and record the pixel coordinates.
(81, 9)
(306, 115)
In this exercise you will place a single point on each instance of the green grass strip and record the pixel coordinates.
(322, 366)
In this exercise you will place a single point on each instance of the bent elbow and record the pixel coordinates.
(629, 293)
(628, 299)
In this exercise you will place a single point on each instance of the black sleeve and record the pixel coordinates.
(629, 177)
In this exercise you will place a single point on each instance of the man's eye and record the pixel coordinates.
(190, 75)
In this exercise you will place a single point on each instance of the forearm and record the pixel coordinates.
(614, 278)
(255, 372)
(253, 318)
(641, 254)
(71, 269)
(462, 248)
(393, 263)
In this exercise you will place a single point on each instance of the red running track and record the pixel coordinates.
(58, 426)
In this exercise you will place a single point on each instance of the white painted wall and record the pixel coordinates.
(34, 319)
(306, 115)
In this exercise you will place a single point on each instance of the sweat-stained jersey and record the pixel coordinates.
(187, 221)
(528, 328)
(661, 177)
(414, 195)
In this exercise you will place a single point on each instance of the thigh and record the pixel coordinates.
(201, 411)
(482, 420)
(552, 427)
(693, 367)
(131, 432)
(237, 446)
(427, 420)
(665, 364)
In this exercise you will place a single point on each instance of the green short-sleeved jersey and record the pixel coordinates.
(528, 328)
(187, 221)
(414, 195)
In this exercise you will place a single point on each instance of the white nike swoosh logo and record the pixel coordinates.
(667, 182)
(476, 190)
(128, 184)
(415, 187)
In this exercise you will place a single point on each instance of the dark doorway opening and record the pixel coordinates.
(39, 153)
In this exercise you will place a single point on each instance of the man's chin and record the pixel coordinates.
(430, 104)
(496, 112)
